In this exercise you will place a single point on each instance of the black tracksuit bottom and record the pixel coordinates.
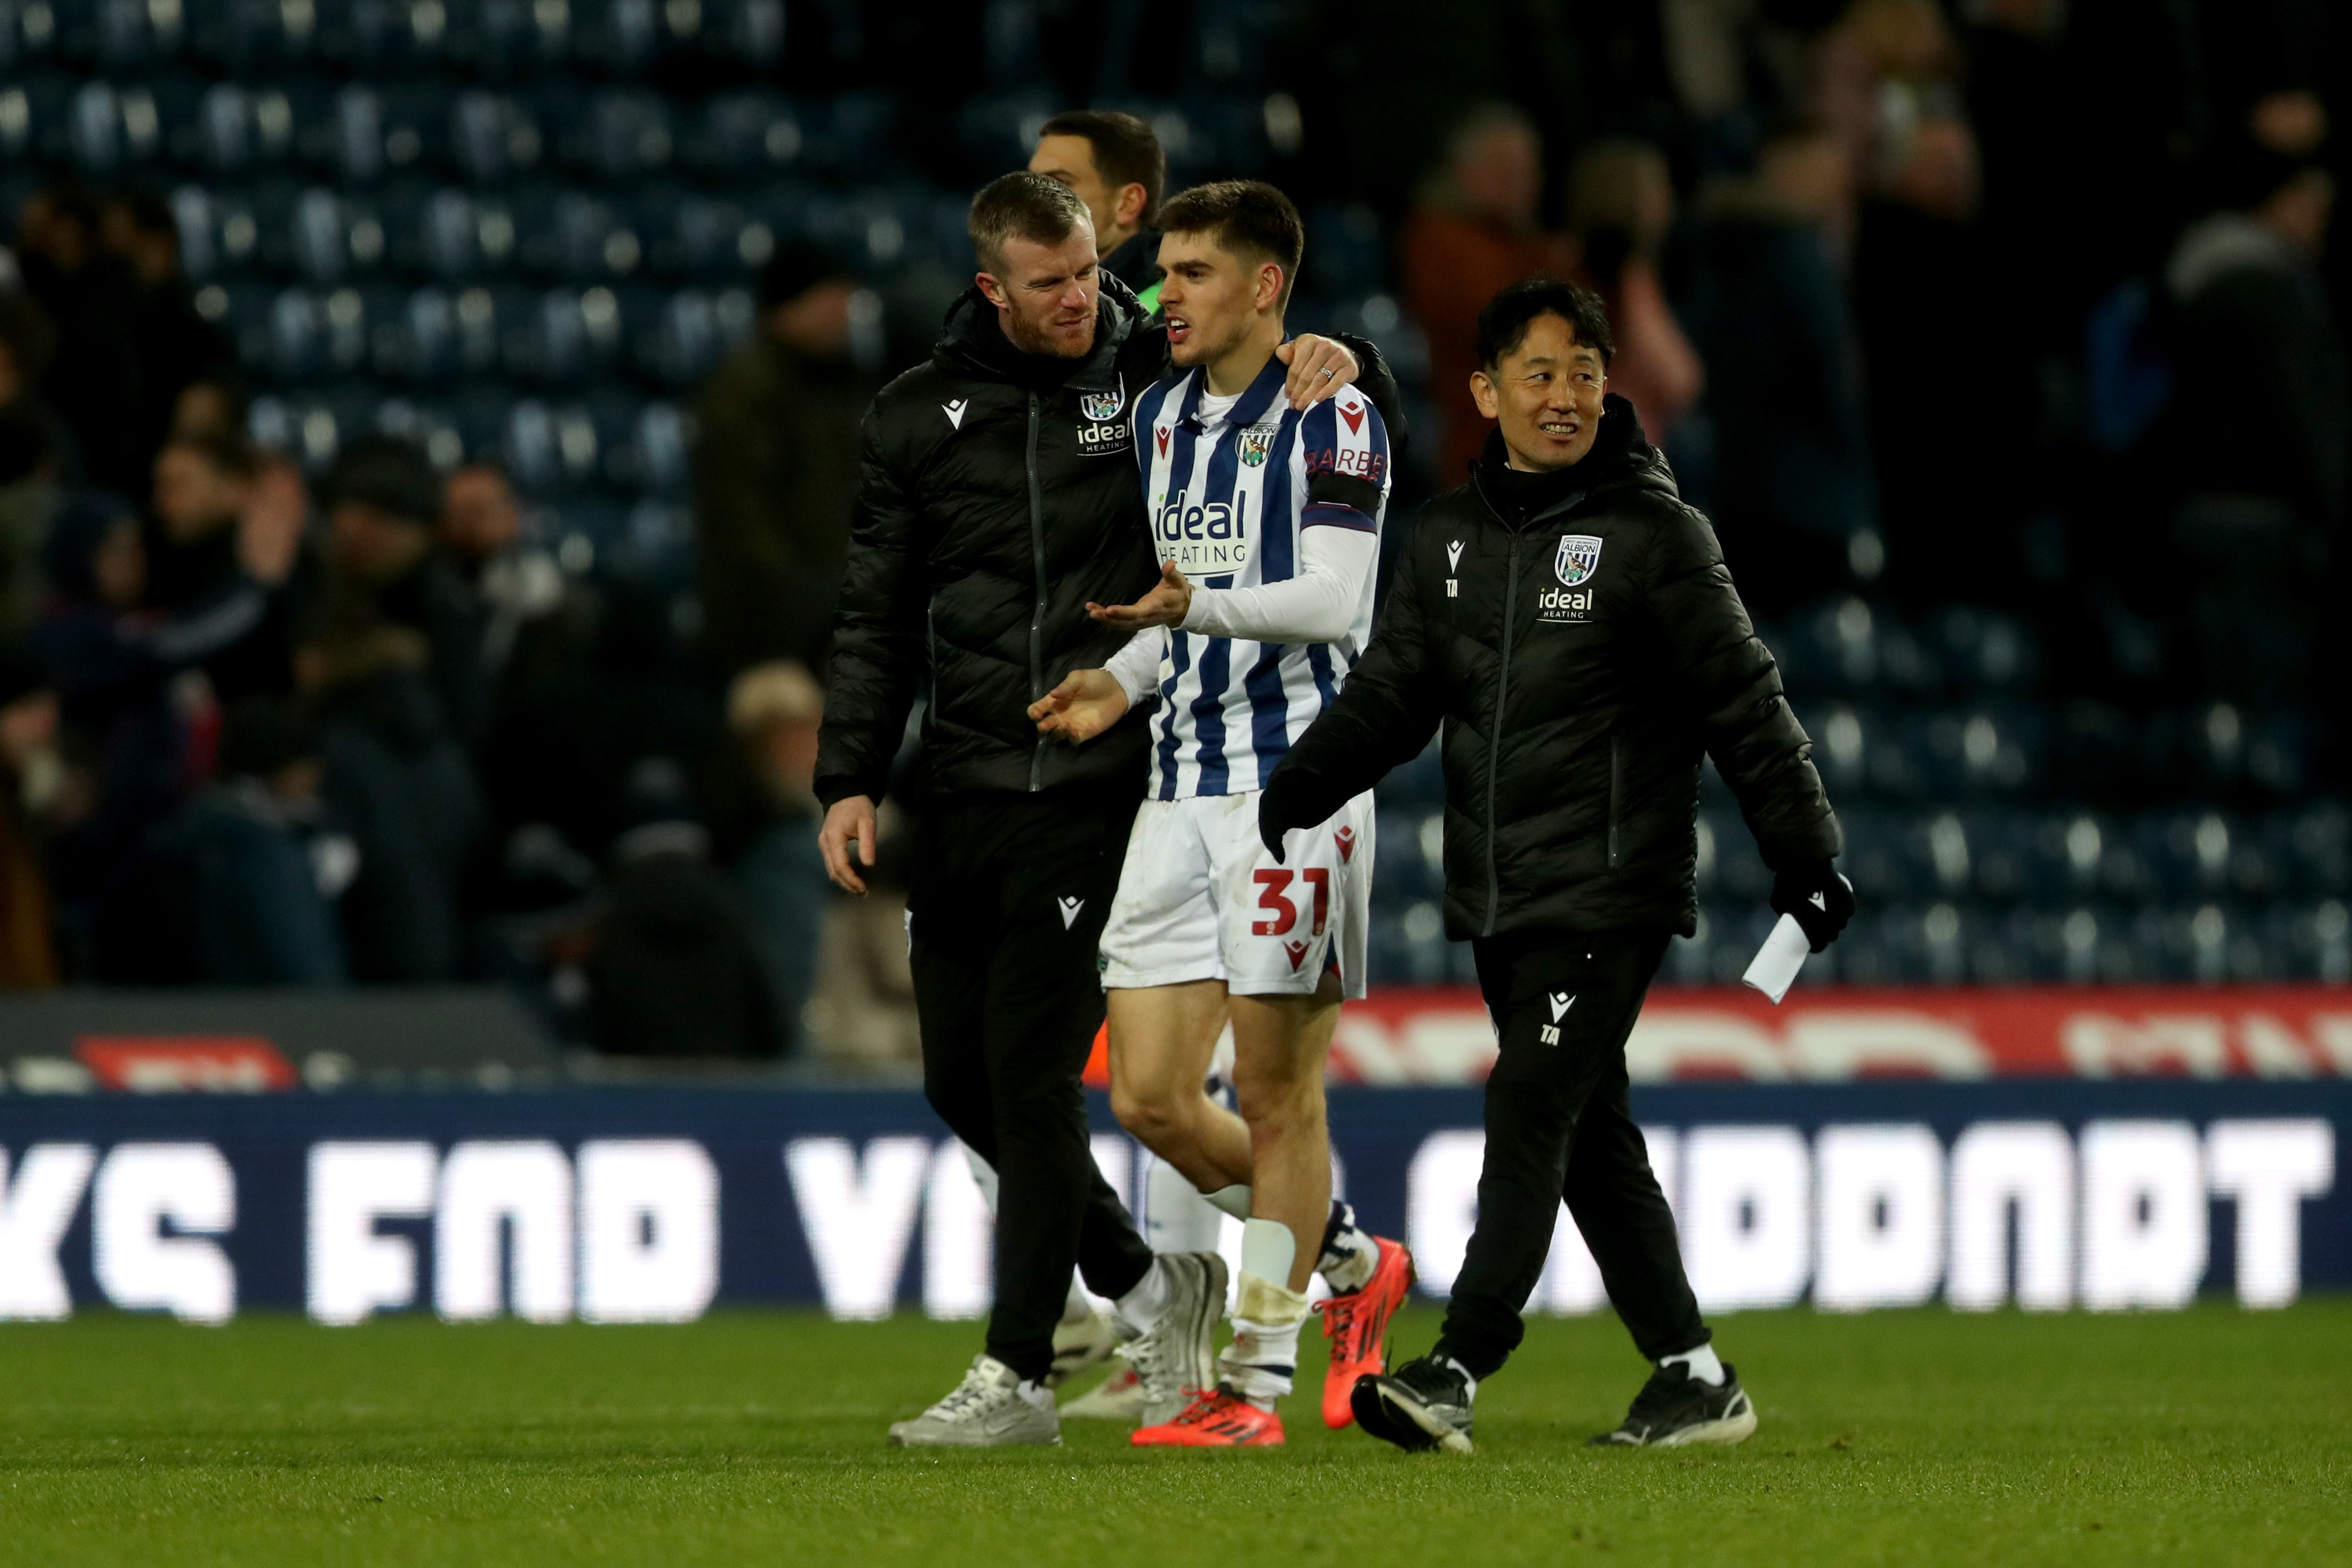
(1559, 1125)
(1006, 905)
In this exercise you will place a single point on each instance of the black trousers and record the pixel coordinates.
(1559, 1125)
(1006, 905)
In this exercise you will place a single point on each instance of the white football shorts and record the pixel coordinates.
(1200, 899)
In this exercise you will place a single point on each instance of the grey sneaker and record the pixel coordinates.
(987, 1410)
(1083, 1339)
(1118, 1397)
(1176, 1357)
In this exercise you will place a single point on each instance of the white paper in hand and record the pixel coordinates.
(1774, 968)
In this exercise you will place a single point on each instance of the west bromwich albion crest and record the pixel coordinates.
(1101, 404)
(1579, 555)
(1255, 441)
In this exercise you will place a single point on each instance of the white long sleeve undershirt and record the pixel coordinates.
(1318, 605)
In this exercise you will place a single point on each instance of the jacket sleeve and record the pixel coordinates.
(1732, 685)
(878, 630)
(1382, 717)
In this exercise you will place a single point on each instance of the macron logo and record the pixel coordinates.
(1070, 907)
(1355, 418)
(954, 411)
(1560, 1002)
(1162, 434)
(1454, 556)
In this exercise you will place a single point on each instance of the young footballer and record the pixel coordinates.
(1267, 521)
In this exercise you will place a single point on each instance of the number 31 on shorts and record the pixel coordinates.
(1272, 894)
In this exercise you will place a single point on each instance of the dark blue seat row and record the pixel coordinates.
(435, 336)
(490, 38)
(560, 451)
(325, 236)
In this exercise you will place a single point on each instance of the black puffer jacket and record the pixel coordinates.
(1583, 647)
(998, 495)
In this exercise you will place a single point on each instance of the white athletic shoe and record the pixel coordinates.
(1176, 1357)
(1118, 1397)
(1083, 1339)
(987, 1410)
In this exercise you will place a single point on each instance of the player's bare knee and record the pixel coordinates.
(1157, 1119)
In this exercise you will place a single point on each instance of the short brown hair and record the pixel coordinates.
(1029, 206)
(1125, 151)
(1248, 218)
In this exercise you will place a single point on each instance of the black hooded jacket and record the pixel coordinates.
(1580, 639)
(997, 495)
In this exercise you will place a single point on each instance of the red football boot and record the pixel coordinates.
(1356, 1324)
(1218, 1418)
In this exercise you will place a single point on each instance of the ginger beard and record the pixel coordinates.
(1046, 295)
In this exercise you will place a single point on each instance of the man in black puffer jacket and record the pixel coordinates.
(998, 498)
(1571, 624)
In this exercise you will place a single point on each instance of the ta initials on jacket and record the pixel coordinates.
(1548, 1033)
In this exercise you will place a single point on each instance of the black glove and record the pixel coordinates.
(1821, 900)
(1279, 810)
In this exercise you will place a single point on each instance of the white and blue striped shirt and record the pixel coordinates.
(1231, 491)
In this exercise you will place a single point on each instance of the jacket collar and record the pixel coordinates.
(1621, 458)
(972, 344)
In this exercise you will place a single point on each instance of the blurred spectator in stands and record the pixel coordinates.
(32, 458)
(212, 407)
(1115, 164)
(1888, 89)
(1792, 492)
(117, 667)
(93, 378)
(517, 582)
(259, 865)
(1473, 230)
(176, 346)
(675, 965)
(384, 505)
(208, 491)
(2263, 460)
(398, 778)
(775, 466)
(576, 727)
(776, 710)
(31, 776)
(1621, 207)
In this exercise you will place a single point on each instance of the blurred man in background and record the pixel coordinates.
(177, 346)
(775, 468)
(2265, 466)
(384, 504)
(1474, 229)
(1114, 164)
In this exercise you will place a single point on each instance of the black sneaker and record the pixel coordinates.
(1673, 1407)
(1422, 1404)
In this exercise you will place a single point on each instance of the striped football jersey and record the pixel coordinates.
(1230, 496)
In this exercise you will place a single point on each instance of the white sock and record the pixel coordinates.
(1269, 1250)
(1176, 1218)
(1234, 1199)
(1075, 1306)
(1264, 1356)
(1704, 1366)
(1140, 1307)
(1350, 1255)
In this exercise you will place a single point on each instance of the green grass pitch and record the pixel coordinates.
(2213, 1435)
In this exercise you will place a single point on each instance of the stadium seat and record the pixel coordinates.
(494, 137)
